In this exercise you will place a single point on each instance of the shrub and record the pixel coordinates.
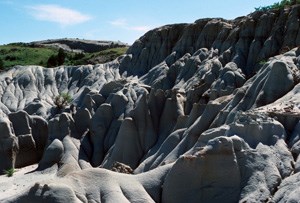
(52, 61)
(78, 56)
(278, 5)
(62, 100)
(57, 60)
(10, 58)
(1, 64)
(61, 57)
(10, 172)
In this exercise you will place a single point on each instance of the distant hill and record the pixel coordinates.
(79, 45)
(76, 52)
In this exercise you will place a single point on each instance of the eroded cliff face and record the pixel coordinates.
(202, 112)
(245, 41)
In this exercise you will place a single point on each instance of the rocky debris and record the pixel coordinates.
(207, 111)
(121, 168)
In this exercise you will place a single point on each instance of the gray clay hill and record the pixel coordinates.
(200, 112)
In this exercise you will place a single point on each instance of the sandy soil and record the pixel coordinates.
(22, 179)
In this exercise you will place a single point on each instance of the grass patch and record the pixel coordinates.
(24, 54)
(96, 57)
(15, 54)
(114, 51)
(9, 172)
(262, 62)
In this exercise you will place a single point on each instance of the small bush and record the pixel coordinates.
(10, 172)
(278, 5)
(1, 64)
(62, 100)
(78, 56)
(61, 56)
(52, 61)
(10, 58)
(57, 60)
(262, 62)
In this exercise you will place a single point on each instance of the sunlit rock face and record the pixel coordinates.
(201, 112)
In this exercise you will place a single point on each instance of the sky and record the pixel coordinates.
(123, 20)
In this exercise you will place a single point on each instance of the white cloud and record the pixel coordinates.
(123, 23)
(58, 14)
(141, 28)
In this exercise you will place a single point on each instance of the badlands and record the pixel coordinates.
(200, 112)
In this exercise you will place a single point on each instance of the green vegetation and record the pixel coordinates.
(10, 172)
(262, 62)
(62, 100)
(1, 64)
(57, 60)
(278, 5)
(24, 54)
(96, 57)
(20, 54)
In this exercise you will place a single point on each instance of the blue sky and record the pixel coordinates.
(124, 20)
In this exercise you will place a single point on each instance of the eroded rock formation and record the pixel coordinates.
(201, 112)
